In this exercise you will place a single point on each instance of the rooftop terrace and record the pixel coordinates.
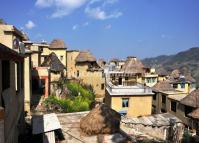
(134, 89)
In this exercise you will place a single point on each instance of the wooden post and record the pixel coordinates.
(49, 137)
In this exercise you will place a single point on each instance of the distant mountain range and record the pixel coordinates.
(186, 61)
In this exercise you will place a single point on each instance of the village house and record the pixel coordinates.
(82, 65)
(133, 71)
(162, 73)
(46, 62)
(131, 100)
(189, 105)
(185, 83)
(11, 94)
(163, 92)
(14, 39)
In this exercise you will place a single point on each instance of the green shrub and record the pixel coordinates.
(79, 100)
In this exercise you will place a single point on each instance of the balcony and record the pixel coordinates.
(135, 89)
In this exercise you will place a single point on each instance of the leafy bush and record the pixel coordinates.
(79, 100)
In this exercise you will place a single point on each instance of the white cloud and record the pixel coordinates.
(30, 24)
(94, 8)
(99, 12)
(62, 7)
(75, 27)
(108, 26)
(44, 3)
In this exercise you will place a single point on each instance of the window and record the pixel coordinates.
(188, 110)
(41, 49)
(125, 102)
(17, 76)
(153, 80)
(61, 58)
(5, 74)
(22, 75)
(154, 97)
(102, 86)
(173, 106)
(126, 78)
(78, 73)
(163, 99)
(175, 85)
(120, 81)
(182, 85)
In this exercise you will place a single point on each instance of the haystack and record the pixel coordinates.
(101, 120)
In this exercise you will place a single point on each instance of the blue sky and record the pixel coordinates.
(109, 28)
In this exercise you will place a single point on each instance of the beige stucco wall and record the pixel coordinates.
(55, 76)
(71, 68)
(6, 38)
(139, 105)
(180, 113)
(27, 83)
(93, 78)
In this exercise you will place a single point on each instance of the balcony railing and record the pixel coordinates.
(132, 89)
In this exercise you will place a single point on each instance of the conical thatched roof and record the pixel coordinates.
(101, 62)
(101, 120)
(57, 44)
(133, 66)
(175, 74)
(192, 99)
(163, 86)
(54, 63)
(189, 78)
(194, 114)
(85, 56)
(161, 71)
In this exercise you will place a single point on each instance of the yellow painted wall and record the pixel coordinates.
(138, 105)
(186, 89)
(161, 78)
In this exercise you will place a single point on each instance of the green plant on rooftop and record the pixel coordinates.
(76, 98)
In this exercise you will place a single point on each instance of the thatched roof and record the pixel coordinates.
(161, 71)
(57, 44)
(177, 77)
(133, 65)
(85, 57)
(175, 74)
(101, 62)
(189, 78)
(163, 86)
(101, 120)
(194, 114)
(192, 99)
(54, 63)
